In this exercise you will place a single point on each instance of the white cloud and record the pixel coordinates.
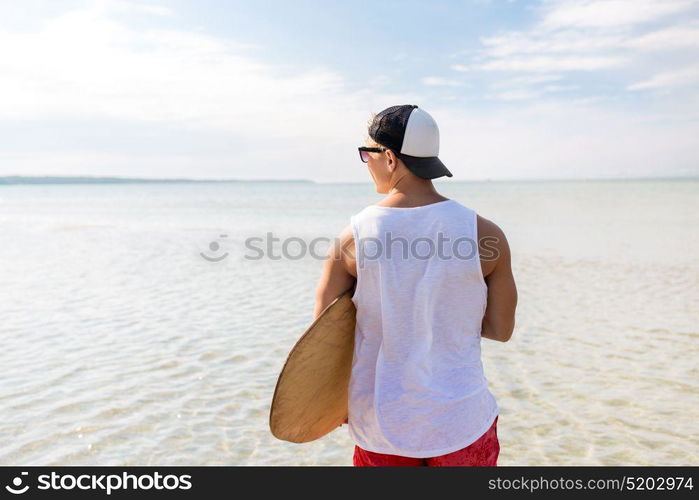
(131, 7)
(560, 88)
(671, 38)
(546, 64)
(608, 13)
(526, 87)
(683, 77)
(525, 80)
(515, 95)
(380, 80)
(459, 67)
(571, 41)
(542, 42)
(436, 81)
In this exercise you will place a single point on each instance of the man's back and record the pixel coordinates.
(417, 386)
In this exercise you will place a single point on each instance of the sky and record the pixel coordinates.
(215, 89)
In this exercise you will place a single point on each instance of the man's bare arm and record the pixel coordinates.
(338, 273)
(499, 317)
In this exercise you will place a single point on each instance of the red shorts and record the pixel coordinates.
(482, 452)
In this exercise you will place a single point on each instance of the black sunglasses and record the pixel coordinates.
(364, 152)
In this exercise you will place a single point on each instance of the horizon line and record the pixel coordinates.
(69, 179)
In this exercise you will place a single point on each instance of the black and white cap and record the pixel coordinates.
(412, 134)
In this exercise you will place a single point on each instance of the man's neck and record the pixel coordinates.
(412, 194)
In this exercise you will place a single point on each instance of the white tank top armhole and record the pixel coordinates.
(355, 236)
(478, 258)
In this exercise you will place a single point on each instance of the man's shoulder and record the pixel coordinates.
(492, 245)
(488, 229)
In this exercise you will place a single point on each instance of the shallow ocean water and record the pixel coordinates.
(123, 345)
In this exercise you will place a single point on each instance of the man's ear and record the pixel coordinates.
(394, 159)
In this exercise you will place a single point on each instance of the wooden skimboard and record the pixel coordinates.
(310, 398)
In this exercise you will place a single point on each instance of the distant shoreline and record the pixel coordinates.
(49, 180)
(20, 179)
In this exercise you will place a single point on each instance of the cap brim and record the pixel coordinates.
(427, 168)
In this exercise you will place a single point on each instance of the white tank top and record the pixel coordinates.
(417, 387)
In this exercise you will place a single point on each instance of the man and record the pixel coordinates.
(431, 278)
